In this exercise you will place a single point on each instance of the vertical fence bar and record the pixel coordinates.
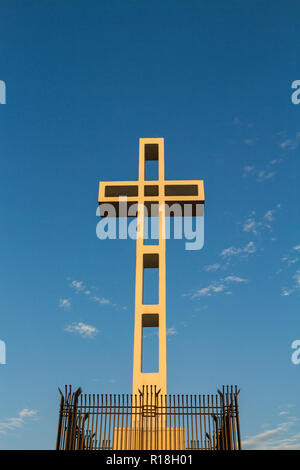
(105, 423)
(232, 419)
(141, 420)
(134, 421)
(122, 431)
(97, 422)
(161, 421)
(60, 420)
(190, 403)
(156, 420)
(179, 421)
(237, 418)
(101, 416)
(209, 421)
(113, 413)
(200, 419)
(131, 422)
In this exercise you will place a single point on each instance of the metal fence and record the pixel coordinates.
(149, 421)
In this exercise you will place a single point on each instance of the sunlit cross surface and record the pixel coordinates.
(162, 195)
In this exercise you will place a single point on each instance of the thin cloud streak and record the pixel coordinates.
(256, 226)
(79, 286)
(11, 424)
(277, 438)
(233, 251)
(65, 303)
(82, 329)
(216, 287)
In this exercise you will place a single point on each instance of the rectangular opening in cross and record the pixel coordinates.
(151, 190)
(151, 152)
(181, 190)
(150, 342)
(151, 223)
(151, 162)
(116, 191)
(150, 279)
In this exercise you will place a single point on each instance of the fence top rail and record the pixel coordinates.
(150, 390)
(139, 406)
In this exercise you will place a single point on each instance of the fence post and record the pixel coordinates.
(61, 408)
(237, 418)
(72, 419)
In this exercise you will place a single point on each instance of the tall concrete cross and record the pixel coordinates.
(144, 193)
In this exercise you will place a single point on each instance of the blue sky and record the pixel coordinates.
(84, 81)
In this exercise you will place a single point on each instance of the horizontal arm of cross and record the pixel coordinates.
(146, 192)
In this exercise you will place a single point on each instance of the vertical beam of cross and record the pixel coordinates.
(163, 194)
(150, 255)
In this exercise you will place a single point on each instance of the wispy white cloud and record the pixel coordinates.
(278, 438)
(263, 175)
(295, 285)
(212, 267)
(250, 225)
(269, 215)
(84, 330)
(216, 287)
(235, 279)
(10, 424)
(254, 225)
(101, 300)
(286, 292)
(268, 172)
(64, 303)
(245, 251)
(260, 175)
(77, 285)
(249, 141)
(257, 225)
(275, 161)
(292, 257)
(248, 170)
(289, 260)
(290, 143)
(171, 331)
(27, 413)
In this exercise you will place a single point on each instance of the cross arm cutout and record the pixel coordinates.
(146, 192)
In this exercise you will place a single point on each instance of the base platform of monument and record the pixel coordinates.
(168, 438)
